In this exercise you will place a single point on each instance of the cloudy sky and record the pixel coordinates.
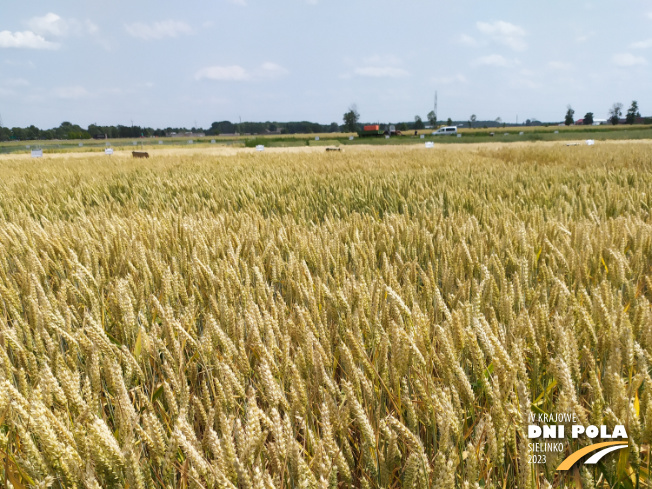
(161, 63)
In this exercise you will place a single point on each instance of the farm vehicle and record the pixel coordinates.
(375, 130)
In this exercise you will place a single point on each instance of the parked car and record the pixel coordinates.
(446, 131)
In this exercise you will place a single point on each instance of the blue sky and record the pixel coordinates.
(160, 63)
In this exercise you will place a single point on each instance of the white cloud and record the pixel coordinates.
(223, 73)
(272, 70)
(377, 66)
(267, 70)
(385, 59)
(71, 93)
(21, 63)
(642, 44)
(500, 28)
(524, 83)
(448, 80)
(628, 59)
(53, 25)
(16, 82)
(559, 65)
(50, 24)
(469, 41)
(158, 30)
(381, 72)
(25, 39)
(504, 33)
(312, 2)
(242, 3)
(494, 60)
(649, 15)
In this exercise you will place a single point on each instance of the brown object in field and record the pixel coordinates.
(333, 149)
(140, 154)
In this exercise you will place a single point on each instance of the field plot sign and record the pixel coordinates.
(160, 142)
(260, 147)
(107, 144)
(422, 136)
(190, 141)
(430, 144)
(316, 138)
(37, 153)
(590, 142)
(28, 146)
(521, 133)
(459, 135)
(212, 141)
(81, 144)
(556, 132)
(108, 151)
(350, 138)
(386, 137)
(135, 143)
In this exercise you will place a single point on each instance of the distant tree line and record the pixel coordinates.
(633, 115)
(302, 127)
(351, 123)
(73, 131)
(68, 130)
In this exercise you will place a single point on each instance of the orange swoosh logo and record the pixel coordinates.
(575, 456)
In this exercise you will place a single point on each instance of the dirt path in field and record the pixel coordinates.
(354, 148)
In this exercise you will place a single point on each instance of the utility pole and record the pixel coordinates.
(435, 104)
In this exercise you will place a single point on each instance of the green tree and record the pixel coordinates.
(17, 133)
(351, 119)
(418, 123)
(632, 113)
(32, 132)
(588, 118)
(449, 122)
(615, 112)
(568, 120)
(432, 118)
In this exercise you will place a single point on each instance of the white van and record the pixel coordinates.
(446, 131)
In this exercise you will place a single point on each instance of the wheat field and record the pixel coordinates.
(379, 319)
